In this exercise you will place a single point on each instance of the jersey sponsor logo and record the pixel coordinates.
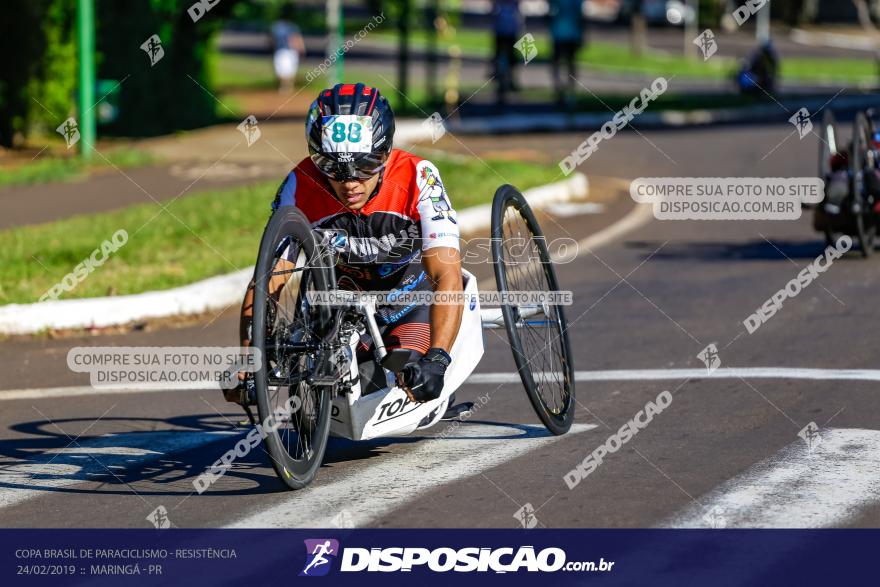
(431, 189)
(391, 319)
(396, 293)
(370, 247)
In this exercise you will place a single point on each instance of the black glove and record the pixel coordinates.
(422, 380)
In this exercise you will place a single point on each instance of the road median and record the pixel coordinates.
(212, 294)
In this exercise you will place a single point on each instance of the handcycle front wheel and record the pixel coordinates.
(288, 330)
(538, 333)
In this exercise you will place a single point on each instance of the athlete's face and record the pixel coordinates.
(353, 193)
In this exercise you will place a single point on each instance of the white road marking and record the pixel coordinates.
(80, 390)
(797, 488)
(399, 479)
(569, 209)
(640, 214)
(484, 378)
(677, 374)
(64, 467)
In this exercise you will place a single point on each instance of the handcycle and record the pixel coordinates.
(309, 350)
(852, 181)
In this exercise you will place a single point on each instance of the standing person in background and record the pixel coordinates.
(567, 31)
(508, 25)
(288, 46)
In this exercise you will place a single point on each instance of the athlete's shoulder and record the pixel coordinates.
(305, 188)
(400, 168)
(410, 172)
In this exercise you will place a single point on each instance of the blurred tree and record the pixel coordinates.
(400, 13)
(38, 69)
(709, 14)
(37, 72)
(637, 29)
(789, 11)
(174, 93)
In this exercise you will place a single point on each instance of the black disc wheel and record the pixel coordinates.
(288, 331)
(537, 332)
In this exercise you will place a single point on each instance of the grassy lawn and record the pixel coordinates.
(613, 57)
(68, 168)
(162, 252)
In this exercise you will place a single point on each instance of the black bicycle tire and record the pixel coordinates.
(289, 221)
(509, 195)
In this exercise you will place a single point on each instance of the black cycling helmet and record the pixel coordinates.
(350, 128)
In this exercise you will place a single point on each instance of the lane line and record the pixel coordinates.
(81, 390)
(399, 479)
(59, 468)
(797, 488)
(722, 373)
(497, 378)
(640, 214)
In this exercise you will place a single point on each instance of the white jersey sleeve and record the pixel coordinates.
(438, 220)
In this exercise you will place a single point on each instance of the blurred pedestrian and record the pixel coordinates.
(288, 46)
(567, 31)
(508, 26)
(758, 73)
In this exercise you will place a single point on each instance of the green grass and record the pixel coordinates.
(612, 57)
(49, 169)
(162, 252)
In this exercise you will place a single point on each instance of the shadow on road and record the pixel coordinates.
(156, 456)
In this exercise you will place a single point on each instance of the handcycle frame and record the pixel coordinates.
(389, 412)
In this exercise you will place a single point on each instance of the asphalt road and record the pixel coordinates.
(725, 451)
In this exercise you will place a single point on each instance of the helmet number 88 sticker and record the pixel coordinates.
(347, 133)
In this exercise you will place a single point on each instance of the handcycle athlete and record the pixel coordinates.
(387, 216)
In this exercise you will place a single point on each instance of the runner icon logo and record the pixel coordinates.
(810, 435)
(801, 121)
(710, 358)
(706, 43)
(526, 516)
(320, 553)
(527, 47)
(153, 48)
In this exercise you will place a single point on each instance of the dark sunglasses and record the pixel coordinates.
(365, 168)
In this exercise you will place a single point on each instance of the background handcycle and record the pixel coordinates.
(852, 181)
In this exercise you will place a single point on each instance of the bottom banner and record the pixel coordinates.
(437, 557)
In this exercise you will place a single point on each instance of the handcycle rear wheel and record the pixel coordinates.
(538, 335)
(862, 204)
(285, 328)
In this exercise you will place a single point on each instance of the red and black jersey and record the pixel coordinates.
(408, 213)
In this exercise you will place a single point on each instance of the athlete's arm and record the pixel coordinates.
(443, 268)
(440, 252)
